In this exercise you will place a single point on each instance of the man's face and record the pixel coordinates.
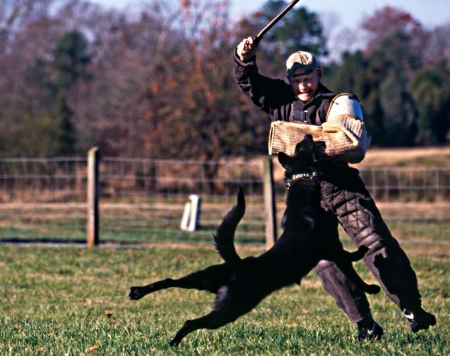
(305, 85)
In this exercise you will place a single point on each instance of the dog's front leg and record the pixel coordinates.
(358, 254)
(347, 268)
(141, 291)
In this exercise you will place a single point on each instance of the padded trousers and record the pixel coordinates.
(345, 195)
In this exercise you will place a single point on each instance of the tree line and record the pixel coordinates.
(159, 84)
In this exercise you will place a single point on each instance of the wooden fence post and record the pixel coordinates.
(93, 196)
(269, 204)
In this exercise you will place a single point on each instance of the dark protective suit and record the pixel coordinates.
(344, 195)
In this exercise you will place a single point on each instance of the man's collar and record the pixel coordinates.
(323, 90)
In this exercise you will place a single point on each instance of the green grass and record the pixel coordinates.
(53, 302)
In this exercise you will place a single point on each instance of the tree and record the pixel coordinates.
(15, 14)
(69, 64)
(392, 65)
(437, 50)
(391, 58)
(431, 91)
(28, 88)
(400, 113)
(158, 84)
(355, 75)
(70, 60)
(27, 133)
(388, 22)
(350, 73)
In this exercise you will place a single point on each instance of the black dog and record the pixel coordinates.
(241, 284)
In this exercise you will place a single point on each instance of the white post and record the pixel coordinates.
(191, 214)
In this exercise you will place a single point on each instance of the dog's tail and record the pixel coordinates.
(224, 239)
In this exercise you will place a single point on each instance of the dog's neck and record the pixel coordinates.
(302, 203)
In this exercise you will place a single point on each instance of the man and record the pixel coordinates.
(305, 99)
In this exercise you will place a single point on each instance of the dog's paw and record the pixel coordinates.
(373, 289)
(176, 340)
(135, 293)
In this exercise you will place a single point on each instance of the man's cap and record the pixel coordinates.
(305, 60)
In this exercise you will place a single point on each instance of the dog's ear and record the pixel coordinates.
(298, 148)
(283, 158)
(307, 144)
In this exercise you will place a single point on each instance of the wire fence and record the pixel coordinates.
(143, 200)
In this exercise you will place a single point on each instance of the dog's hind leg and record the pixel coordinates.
(213, 320)
(230, 304)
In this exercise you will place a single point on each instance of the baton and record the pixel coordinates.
(277, 18)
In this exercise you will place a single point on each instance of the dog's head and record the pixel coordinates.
(305, 163)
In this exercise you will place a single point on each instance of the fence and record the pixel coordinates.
(143, 200)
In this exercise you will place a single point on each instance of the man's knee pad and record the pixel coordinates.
(323, 265)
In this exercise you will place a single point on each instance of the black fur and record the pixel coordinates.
(241, 284)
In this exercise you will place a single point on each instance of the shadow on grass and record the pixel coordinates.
(18, 241)
(25, 241)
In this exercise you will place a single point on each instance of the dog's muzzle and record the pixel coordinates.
(301, 176)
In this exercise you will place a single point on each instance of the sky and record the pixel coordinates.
(340, 18)
(430, 13)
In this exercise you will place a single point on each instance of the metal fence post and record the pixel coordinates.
(269, 204)
(93, 196)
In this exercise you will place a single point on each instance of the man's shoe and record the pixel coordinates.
(420, 319)
(372, 333)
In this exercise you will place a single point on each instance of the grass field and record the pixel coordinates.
(73, 301)
(407, 157)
